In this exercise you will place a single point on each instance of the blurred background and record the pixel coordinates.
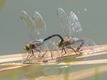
(92, 15)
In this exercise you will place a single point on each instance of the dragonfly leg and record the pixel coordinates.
(30, 55)
(80, 46)
(44, 54)
(51, 54)
(69, 47)
(38, 51)
(63, 49)
(33, 53)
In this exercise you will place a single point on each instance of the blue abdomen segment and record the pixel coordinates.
(42, 41)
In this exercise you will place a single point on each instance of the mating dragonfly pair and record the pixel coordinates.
(36, 25)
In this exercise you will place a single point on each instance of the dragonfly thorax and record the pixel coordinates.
(32, 45)
(68, 41)
(36, 43)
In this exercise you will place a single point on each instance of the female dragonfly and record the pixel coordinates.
(35, 26)
(71, 25)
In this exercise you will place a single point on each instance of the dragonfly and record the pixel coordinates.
(70, 26)
(35, 26)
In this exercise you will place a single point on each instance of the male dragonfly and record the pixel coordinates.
(71, 25)
(35, 26)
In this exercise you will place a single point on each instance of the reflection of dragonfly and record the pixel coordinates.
(35, 25)
(70, 25)
(54, 70)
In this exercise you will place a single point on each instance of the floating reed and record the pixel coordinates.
(8, 60)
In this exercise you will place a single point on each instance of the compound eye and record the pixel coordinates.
(26, 48)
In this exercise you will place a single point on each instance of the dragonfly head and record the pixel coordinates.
(27, 47)
(59, 44)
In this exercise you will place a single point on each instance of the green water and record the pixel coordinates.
(92, 15)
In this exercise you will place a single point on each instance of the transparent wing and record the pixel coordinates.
(74, 23)
(39, 22)
(64, 21)
(32, 32)
(54, 49)
(50, 48)
(89, 43)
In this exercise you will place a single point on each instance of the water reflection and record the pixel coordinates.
(54, 70)
(32, 72)
(37, 71)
